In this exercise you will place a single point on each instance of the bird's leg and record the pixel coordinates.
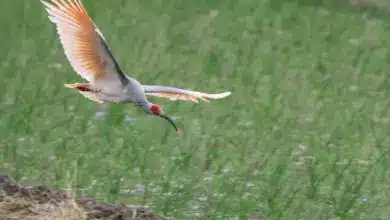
(102, 111)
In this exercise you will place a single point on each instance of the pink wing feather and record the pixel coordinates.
(83, 43)
(181, 94)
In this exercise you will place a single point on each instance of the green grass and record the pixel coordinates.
(305, 134)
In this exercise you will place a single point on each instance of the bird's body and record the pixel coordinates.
(90, 56)
(131, 92)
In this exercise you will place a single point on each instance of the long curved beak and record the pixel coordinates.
(172, 123)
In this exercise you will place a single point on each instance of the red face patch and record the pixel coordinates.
(156, 109)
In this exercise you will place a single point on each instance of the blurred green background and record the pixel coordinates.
(305, 134)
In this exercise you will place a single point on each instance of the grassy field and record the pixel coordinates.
(305, 134)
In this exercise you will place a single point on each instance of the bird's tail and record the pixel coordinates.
(84, 87)
(86, 90)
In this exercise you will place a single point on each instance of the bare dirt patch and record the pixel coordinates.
(41, 203)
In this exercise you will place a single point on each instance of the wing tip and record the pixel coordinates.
(221, 95)
(46, 3)
(227, 93)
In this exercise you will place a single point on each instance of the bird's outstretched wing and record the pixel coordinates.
(83, 43)
(181, 94)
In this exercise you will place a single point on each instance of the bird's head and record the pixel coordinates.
(158, 111)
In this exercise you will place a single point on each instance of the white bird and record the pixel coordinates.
(89, 55)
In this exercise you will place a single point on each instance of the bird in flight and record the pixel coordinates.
(88, 53)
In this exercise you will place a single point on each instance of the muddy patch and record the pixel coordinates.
(38, 202)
